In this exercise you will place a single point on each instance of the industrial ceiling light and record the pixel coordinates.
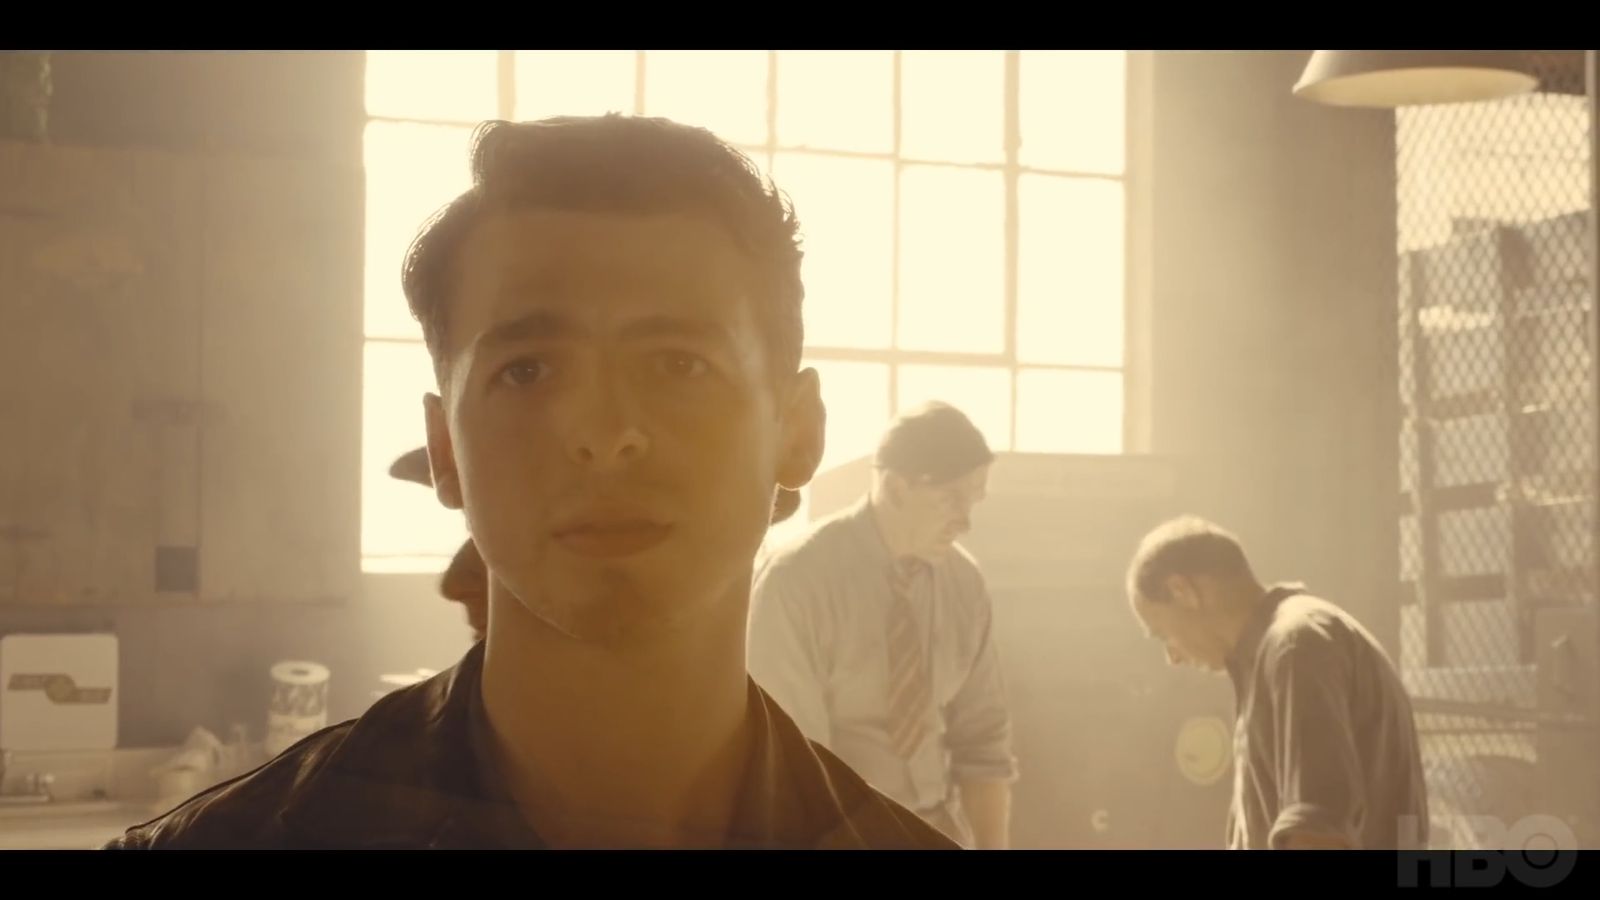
(1385, 79)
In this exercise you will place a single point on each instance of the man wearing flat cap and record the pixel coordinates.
(873, 631)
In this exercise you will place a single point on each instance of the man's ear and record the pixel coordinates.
(805, 425)
(1183, 591)
(895, 489)
(441, 454)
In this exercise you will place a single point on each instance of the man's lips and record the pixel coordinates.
(611, 535)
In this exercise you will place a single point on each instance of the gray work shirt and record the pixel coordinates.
(818, 619)
(1324, 740)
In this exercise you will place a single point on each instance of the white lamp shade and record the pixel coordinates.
(1386, 79)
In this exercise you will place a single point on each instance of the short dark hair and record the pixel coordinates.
(934, 441)
(612, 164)
(1187, 545)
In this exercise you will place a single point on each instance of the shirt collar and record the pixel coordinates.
(1241, 659)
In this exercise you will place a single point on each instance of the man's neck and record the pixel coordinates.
(1244, 605)
(642, 746)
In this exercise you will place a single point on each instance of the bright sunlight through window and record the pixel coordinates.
(962, 211)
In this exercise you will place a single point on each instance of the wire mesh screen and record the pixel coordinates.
(1498, 461)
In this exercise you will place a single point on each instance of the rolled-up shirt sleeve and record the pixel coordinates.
(1317, 767)
(784, 650)
(977, 719)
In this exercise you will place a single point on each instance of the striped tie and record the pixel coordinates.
(910, 695)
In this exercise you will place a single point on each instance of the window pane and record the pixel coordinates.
(448, 85)
(1070, 297)
(574, 82)
(952, 105)
(412, 170)
(952, 260)
(836, 99)
(857, 398)
(399, 517)
(406, 565)
(1069, 412)
(846, 212)
(723, 90)
(1073, 105)
(984, 394)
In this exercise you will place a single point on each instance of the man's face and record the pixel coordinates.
(1185, 622)
(936, 514)
(609, 418)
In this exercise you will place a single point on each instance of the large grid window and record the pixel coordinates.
(963, 214)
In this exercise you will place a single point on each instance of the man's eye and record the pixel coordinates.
(681, 365)
(523, 372)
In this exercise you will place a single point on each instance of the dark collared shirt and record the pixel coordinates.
(1324, 740)
(411, 774)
